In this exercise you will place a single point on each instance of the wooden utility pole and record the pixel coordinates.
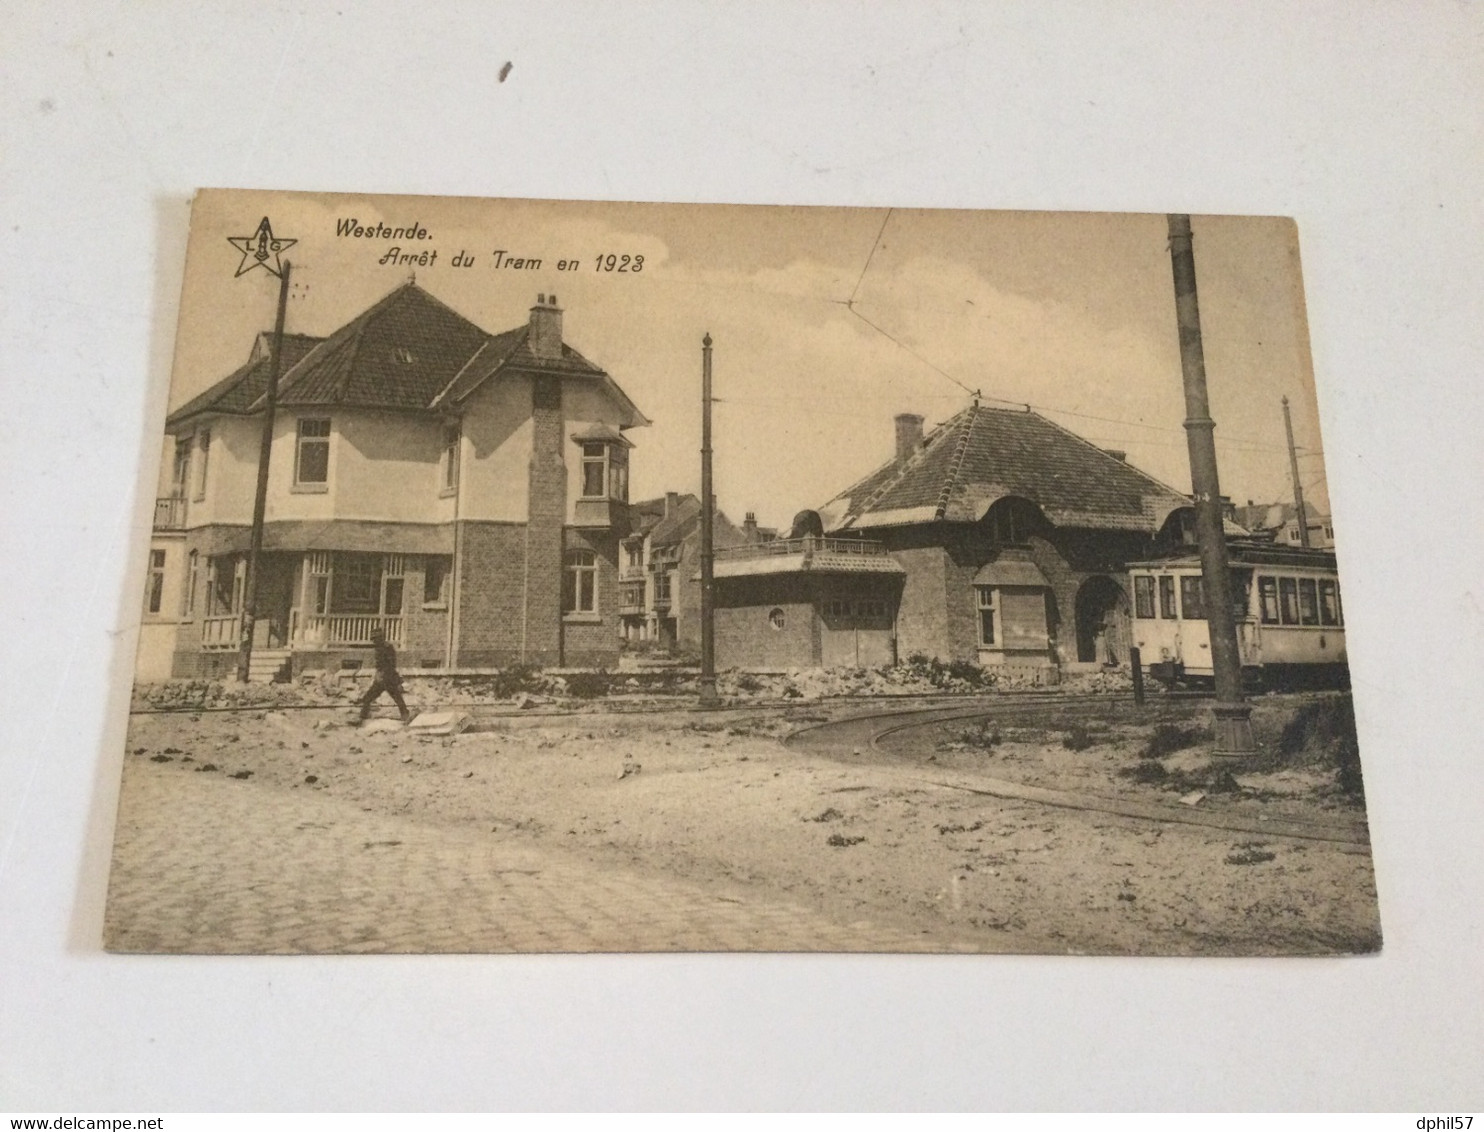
(1300, 513)
(709, 698)
(1233, 715)
(260, 500)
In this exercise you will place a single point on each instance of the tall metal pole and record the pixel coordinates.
(709, 697)
(260, 500)
(1299, 511)
(1233, 715)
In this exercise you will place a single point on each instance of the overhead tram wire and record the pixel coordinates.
(1246, 443)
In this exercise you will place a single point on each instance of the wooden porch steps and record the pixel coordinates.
(267, 666)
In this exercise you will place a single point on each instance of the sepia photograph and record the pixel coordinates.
(550, 576)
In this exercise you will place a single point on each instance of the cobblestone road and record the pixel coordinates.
(204, 864)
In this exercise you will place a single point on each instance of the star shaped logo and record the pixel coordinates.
(261, 249)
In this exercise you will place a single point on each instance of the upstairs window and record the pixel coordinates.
(203, 445)
(662, 586)
(312, 458)
(605, 471)
(594, 471)
(580, 582)
(448, 469)
(180, 470)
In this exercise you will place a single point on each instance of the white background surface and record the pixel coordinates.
(1362, 120)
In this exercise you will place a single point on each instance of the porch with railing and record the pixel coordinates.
(221, 632)
(170, 513)
(334, 630)
(315, 631)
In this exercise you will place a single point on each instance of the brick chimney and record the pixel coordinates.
(909, 436)
(546, 329)
(672, 502)
(749, 527)
(1118, 454)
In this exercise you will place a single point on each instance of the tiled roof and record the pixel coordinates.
(673, 528)
(676, 528)
(399, 354)
(408, 351)
(984, 454)
(244, 385)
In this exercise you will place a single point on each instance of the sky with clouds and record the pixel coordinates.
(826, 322)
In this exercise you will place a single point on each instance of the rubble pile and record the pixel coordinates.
(524, 687)
(183, 695)
(1106, 680)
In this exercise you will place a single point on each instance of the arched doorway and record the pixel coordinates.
(1102, 622)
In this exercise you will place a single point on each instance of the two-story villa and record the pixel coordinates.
(464, 492)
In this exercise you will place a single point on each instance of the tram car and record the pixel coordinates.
(1286, 602)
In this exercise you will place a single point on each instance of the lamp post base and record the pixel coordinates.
(1233, 726)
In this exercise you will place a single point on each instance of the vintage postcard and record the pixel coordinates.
(1014, 624)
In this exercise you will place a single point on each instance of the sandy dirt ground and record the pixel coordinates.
(891, 832)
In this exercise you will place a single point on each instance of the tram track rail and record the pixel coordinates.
(847, 737)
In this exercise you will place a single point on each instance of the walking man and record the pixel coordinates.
(388, 679)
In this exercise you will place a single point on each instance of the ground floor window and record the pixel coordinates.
(1167, 597)
(225, 577)
(987, 614)
(580, 582)
(1013, 618)
(154, 587)
(436, 572)
(193, 572)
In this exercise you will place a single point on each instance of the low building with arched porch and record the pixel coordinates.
(1008, 539)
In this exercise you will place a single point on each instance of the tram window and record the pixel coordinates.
(1288, 600)
(1329, 603)
(1144, 596)
(1308, 601)
(1192, 599)
(1267, 591)
(1167, 597)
